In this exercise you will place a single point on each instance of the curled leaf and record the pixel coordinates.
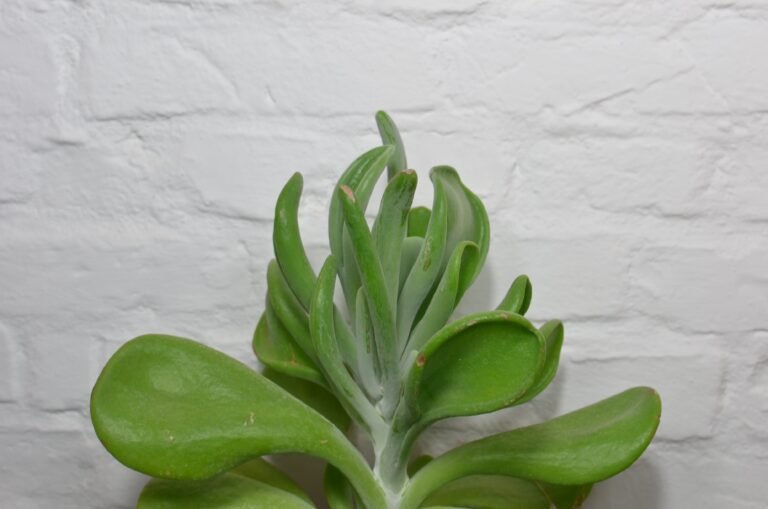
(581, 447)
(390, 135)
(170, 407)
(518, 297)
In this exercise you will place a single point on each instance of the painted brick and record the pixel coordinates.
(620, 148)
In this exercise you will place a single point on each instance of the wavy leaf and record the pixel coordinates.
(286, 239)
(361, 177)
(390, 135)
(478, 364)
(170, 407)
(426, 269)
(518, 297)
(324, 338)
(581, 447)
(389, 229)
(453, 284)
(467, 217)
(553, 340)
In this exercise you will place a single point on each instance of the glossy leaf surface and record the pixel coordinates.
(581, 447)
(518, 297)
(553, 340)
(478, 364)
(173, 408)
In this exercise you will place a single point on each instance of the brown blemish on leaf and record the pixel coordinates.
(421, 360)
(348, 191)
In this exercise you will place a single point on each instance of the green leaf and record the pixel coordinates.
(170, 407)
(312, 395)
(565, 497)
(426, 269)
(263, 471)
(337, 490)
(553, 340)
(467, 217)
(409, 253)
(288, 309)
(489, 492)
(361, 177)
(418, 463)
(518, 296)
(227, 491)
(478, 364)
(418, 221)
(581, 447)
(377, 296)
(390, 135)
(324, 338)
(454, 282)
(275, 348)
(289, 250)
(389, 229)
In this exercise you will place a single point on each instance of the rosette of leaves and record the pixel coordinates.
(385, 359)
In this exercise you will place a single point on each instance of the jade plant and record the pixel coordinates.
(384, 359)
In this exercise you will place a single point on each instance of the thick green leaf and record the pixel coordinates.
(409, 253)
(426, 269)
(338, 493)
(324, 338)
(170, 407)
(367, 372)
(453, 284)
(478, 364)
(288, 309)
(227, 491)
(377, 296)
(289, 250)
(553, 339)
(418, 221)
(518, 297)
(389, 229)
(263, 471)
(489, 492)
(275, 348)
(390, 135)
(467, 217)
(312, 395)
(581, 447)
(360, 177)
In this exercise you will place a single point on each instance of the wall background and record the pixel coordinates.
(621, 148)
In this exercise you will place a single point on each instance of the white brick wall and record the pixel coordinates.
(621, 147)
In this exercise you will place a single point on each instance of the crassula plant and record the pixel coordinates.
(385, 360)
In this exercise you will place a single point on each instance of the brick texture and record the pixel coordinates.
(621, 148)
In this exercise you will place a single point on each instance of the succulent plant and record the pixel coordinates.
(387, 362)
